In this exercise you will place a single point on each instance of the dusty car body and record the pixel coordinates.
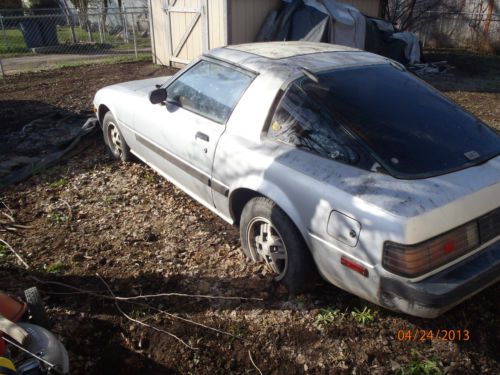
(413, 226)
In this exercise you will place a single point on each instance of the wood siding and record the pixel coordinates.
(367, 7)
(246, 18)
(217, 16)
(159, 36)
(225, 22)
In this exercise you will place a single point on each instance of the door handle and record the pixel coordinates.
(202, 136)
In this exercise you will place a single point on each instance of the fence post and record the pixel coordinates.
(5, 40)
(134, 36)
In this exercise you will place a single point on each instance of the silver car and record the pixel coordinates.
(328, 159)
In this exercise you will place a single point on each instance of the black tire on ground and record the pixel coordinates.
(299, 273)
(36, 308)
(113, 137)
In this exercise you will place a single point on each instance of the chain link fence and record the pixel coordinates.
(470, 30)
(51, 38)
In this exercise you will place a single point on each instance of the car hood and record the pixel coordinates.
(140, 86)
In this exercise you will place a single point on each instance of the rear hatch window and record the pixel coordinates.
(411, 129)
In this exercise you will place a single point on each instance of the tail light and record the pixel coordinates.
(416, 260)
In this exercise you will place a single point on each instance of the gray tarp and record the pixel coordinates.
(41, 144)
(329, 21)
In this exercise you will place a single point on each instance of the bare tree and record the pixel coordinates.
(412, 14)
(480, 22)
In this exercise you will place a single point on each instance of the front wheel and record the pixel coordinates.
(114, 139)
(268, 235)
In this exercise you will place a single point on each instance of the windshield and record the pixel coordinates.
(410, 128)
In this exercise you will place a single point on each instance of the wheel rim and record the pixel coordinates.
(115, 140)
(267, 244)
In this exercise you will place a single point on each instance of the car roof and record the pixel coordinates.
(285, 59)
(283, 50)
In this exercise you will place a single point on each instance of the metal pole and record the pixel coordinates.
(1, 69)
(99, 24)
(89, 30)
(124, 23)
(134, 37)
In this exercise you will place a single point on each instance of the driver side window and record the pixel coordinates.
(210, 90)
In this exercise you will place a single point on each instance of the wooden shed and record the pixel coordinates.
(181, 30)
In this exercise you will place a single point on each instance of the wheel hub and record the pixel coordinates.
(115, 139)
(266, 243)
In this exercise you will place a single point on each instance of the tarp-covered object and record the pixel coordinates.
(329, 21)
(41, 144)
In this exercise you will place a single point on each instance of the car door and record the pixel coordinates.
(179, 138)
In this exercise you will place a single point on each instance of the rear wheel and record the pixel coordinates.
(114, 139)
(268, 235)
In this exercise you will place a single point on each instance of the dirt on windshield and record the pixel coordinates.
(92, 220)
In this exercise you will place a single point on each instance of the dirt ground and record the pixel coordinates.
(92, 217)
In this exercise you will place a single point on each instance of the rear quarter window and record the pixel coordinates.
(408, 127)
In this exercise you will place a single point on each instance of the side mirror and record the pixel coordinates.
(158, 96)
(174, 101)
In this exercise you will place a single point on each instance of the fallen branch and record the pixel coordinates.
(16, 254)
(144, 296)
(173, 316)
(129, 300)
(142, 323)
(7, 207)
(8, 217)
(253, 363)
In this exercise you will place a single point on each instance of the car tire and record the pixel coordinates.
(268, 234)
(113, 137)
(36, 308)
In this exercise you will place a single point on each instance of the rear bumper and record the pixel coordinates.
(435, 295)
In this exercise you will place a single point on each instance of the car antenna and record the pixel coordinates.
(309, 74)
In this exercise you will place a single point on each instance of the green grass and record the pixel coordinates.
(100, 61)
(12, 41)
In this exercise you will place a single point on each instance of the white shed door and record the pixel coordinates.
(187, 29)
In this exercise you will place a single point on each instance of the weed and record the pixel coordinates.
(3, 251)
(109, 199)
(55, 268)
(364, 316)
(57, 217)
(38, 169)
(59, 183)
(150, 177)
(238, 330)
(139, 312)
(327, 316)
(422, 367)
